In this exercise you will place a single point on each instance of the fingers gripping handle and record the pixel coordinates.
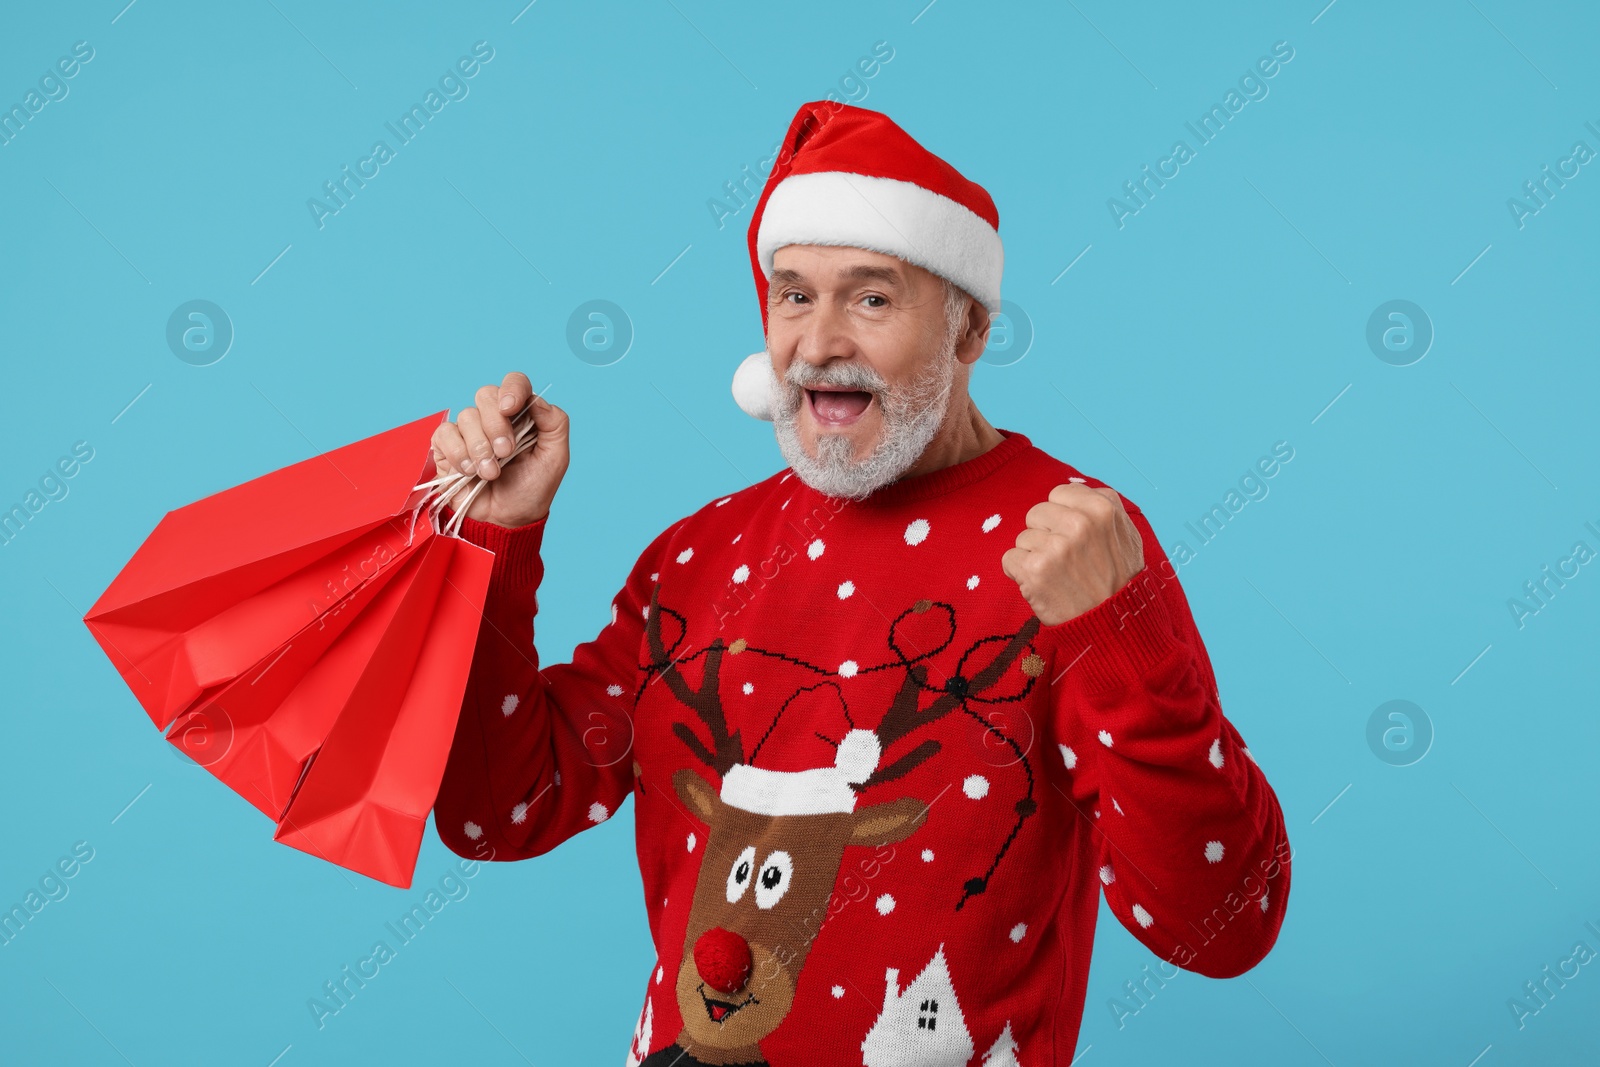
(458, 490)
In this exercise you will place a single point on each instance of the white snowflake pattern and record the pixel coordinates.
(749, 687)
(1019, 931)
(472, 830)
(917, 532)
(1105, 738)
(846, 588)
(1263, 901)
(1069, 757)
(660, 974)
(598, 812)
(815, 548)
(838, 992)
(972, 583)
(613, 613)
(1216, 753)
(1078, 481)
(723, 501)
(655, 576)
(1213, 851)
(1144, 918)
(975, 786)
(741, 573)
(848, 668)
(991, 522)
(1117, 807)
(613, 690)
(927, 855)
(686, 555)
(1246, 751)
(509, 704)
(645, 612)
(736, 538)
(1107, 876)
(519, 812)
(692, 840)
(885, 904)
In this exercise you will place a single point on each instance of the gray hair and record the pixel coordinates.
(956, 303)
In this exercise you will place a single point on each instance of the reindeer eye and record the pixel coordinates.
(776, 874)
(739, 877)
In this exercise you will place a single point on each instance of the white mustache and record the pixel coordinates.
(840, 376)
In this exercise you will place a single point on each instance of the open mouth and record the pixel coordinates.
(837, 407)
(719, 1011)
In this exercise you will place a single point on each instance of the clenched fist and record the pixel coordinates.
(1079, 548)
(521, 493)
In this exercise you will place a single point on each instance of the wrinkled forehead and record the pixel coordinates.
(843, 265)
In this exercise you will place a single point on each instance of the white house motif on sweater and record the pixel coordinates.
(921, 1025)
(1003, 1053)
(640, 1048)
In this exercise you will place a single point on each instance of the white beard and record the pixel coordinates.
(912, 415)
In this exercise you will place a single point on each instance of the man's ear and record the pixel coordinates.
(974, 334)
(697, 793)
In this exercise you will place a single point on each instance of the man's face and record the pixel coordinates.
(864, 360)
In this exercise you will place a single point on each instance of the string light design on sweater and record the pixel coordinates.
(961, 690)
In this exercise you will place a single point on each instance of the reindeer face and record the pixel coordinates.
(777, 842)
(763, 892)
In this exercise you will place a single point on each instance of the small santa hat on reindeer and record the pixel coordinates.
(806, 772)
(848, 176)
(815, 791)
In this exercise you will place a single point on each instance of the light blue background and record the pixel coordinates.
(1223, 317)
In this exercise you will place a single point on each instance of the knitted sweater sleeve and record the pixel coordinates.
(540, 753)
(1193, 855)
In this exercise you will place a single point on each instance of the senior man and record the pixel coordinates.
(892, 718)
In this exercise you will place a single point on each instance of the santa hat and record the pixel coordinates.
(810, 774)
(815, 791)
(848, 176)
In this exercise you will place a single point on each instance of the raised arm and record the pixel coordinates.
(538, 755)
(1193, 855)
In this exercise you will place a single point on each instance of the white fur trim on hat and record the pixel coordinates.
(819, 791)
(885, 215)
(752, 386)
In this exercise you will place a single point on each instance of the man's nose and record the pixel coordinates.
(723, 959)
(825, 336)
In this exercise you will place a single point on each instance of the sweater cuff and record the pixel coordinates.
(516, 552)
(1116, 642)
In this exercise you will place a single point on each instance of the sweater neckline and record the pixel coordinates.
(947, 479)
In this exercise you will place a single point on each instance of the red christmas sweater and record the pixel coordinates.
(876, 800)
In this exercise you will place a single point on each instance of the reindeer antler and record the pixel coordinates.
(905, 715)
(727, 749)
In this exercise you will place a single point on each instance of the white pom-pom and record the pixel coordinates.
(857, 756)
(752, 386)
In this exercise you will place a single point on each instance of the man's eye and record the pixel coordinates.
(787, 296)
(873, 296)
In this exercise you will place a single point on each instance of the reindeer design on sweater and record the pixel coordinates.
(778, 838)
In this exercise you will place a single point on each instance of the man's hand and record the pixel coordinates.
(1079, 548)
(521, 493)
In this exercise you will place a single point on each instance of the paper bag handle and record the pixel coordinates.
(458, 489)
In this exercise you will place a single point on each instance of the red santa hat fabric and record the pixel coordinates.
(848, 176)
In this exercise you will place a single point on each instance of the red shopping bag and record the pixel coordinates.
(306, 637)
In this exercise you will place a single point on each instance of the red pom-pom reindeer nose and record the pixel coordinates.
(723, 959)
